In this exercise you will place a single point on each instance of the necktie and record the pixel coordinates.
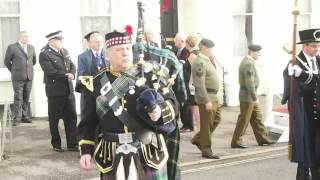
(98, 60)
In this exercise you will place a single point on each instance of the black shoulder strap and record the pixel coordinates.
(115, 105)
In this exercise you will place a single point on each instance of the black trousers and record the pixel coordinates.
(304, 173)
(62, 107)
(186, 116)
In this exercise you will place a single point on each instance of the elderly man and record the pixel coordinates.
(59, 72)
(249, 105)
(131, 115)
(19, 59)
(182, 54)
(206, 83)
(306, 115)
(91, 61)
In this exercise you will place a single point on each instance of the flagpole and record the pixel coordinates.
(292, 104)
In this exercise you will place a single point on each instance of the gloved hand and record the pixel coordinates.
(296, 70)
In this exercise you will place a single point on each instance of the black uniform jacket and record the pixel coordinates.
(55, 67)
(110, 123)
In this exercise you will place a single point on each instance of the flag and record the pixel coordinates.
(164, 5)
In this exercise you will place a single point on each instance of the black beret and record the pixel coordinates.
(55, 35)
(87, 36)
(254, 47)
(207, 43)
(309, 35)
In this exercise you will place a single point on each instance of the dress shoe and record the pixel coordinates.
(58, 149)
(267, 143)
(241, 146)
(26, 121)
(210, 156)
(73, 149)
(196, 144)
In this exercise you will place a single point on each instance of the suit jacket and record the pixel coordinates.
(87, 65)
(55, 67)
(183, 55)
(19, 63)
(85, 62)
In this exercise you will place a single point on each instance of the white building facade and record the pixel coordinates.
(265, 22)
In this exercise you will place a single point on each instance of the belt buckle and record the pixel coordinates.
(125, 138)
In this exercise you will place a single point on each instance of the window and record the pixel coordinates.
(9, 25)
(95, 16)
(242, 23)
(304, 18)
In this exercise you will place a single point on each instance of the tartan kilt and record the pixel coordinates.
(151, 174)
(173, 146)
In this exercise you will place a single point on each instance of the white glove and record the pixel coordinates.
(294, 69)
(290, 69)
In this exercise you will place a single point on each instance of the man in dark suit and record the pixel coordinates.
(182, 54)
(19, 59)
(305, 140)
(91, 61)
(59, 71)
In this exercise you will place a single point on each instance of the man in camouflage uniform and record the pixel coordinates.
(249, 105)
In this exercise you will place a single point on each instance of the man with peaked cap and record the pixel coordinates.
(250, 111)
(132, 118)
(306, 120)
(206, 83)
(92, 60)
(59, 72)
(19, 59)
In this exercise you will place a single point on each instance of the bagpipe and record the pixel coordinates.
(162, 62)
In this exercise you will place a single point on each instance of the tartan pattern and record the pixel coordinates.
(173, 163)
(151, 174)
(120, 87)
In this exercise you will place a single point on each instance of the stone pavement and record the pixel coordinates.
(32, 157)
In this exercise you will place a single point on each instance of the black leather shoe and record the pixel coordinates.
(26, 121)
(73, 149)
(58, 149)
(196, 144)
(241, 146)
(210, 156)
(268, 143)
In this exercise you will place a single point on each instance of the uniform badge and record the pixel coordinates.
(87, 81)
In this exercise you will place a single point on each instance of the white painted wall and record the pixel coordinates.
(41, 17)
(212, 18)
(272, 29)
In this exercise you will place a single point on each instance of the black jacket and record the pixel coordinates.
(55, 67)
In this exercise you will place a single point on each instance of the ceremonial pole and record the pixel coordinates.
(293, 92)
